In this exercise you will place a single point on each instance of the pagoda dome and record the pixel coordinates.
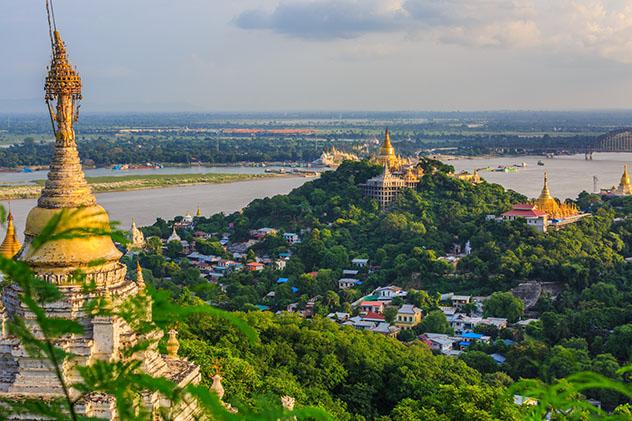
(387, 149)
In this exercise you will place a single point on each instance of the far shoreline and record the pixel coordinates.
(110, 184)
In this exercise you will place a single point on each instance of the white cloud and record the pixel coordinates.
(601, 28)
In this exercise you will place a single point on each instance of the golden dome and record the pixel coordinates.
(387, 148)
(547, 203)
(10, 246)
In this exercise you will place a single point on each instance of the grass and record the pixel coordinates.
(131, 182)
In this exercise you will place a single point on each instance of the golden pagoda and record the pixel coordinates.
(387, 155)
(66, 196)
(10, 246)
(547, 203)
(625, 188)
(80, 243)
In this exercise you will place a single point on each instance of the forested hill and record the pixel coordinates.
(362, 375)
(426, 223)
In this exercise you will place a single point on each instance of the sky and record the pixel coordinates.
(325, 55)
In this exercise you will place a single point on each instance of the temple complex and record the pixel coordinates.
(545, 212)
(398, 174)
(332, 158)
(624, 188)
(67, 205)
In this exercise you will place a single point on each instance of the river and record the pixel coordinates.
(568, 176)
(147, 205)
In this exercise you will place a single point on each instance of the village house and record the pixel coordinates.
(408, 316)
(346, 283)
(254, 266)
(458, 301)
(438, 342)
(372, 307)
(388, 293)
(291, 238)
(360, 263)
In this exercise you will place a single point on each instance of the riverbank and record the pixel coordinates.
(104, 184)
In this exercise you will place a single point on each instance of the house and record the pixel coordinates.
(262, 232)
(469, 337)
(385, 329)
(346, 283)
(291, 238)
(459, 301)
(282, 281)
(338, 316)
(534, 217)
(350, 273)
(372, 307)
(438, 342)
(360, 263)
(254, 266)
(408, 316)
(279, 264)
(373, 317)
(389, 292)
(358, 323)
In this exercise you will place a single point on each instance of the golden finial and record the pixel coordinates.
(172, 344)
(10, 246)
(66, 186)
(198, 213)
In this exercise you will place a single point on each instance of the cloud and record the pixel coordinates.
(326, 19)
(601, 28)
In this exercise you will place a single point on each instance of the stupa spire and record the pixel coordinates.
(66, 186)
(546, 193)
(10, 246)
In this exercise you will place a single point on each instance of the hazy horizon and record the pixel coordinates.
(327, 55)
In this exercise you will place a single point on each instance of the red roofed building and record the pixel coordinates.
(372, 307)
(373, 317)
(535, 217)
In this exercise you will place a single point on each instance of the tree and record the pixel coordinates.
(174, 248)
(154, 245)
(562, 362)
(390, 313)
(435, 322)
(619, 343)
(479, 361)
(504, 304)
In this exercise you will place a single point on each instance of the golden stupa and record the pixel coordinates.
(547, 203)
(625, 188)
(66, 198)
(10, 246)
(387, 155)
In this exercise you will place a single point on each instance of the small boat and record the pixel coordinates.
(540, 163)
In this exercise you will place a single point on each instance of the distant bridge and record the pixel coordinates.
(615, 141)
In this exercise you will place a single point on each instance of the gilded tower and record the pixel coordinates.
(547, 203)
(11, 245)
(625, 188)
(387, 155)
(67, 204)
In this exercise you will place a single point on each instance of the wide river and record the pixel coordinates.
(568, 176)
